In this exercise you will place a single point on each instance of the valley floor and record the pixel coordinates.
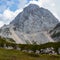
(18, 55)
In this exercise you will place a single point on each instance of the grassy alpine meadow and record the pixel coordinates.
(19, 55)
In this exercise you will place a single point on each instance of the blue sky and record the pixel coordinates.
(10, 8)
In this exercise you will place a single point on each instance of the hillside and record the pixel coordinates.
(6, 41)
(18, 55)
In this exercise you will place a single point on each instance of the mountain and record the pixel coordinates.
(31, 25)
(34, 18)
(55, 32)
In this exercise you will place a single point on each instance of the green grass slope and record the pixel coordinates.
(18, 55)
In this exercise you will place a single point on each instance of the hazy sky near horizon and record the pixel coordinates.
(10, 8)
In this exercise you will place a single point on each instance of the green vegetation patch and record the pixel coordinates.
(18, 55)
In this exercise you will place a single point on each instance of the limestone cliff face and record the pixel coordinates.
(34, 18)
(31, 25)
(55, 33)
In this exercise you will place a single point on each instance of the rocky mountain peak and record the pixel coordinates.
(34, 18)
(31, 7)
(31, 24)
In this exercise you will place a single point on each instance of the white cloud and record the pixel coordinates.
(8, 16)
(1, 23)
(5, 4)
(22, 4)
(39, 2)
(53, 4)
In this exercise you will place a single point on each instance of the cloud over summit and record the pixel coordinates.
(10, 8)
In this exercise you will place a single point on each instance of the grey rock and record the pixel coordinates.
(32, 24)
(55, 33)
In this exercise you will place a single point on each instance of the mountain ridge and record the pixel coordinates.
(29, 24)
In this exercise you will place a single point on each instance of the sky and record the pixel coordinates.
(9, 9)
